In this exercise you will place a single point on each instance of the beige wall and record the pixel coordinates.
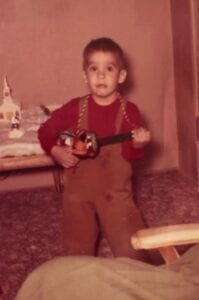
(41, 45)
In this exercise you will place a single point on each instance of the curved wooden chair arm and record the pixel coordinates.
(165, 239)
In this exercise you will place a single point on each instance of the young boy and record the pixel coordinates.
(98, 191)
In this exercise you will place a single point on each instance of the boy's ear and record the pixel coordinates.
(122, 76)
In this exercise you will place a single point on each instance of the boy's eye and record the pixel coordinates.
(92, 68)
(110, 68)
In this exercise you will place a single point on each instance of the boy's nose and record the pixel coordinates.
(101, 73)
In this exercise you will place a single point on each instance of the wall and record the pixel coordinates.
(41, 46)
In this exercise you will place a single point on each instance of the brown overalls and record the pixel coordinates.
(98, 193)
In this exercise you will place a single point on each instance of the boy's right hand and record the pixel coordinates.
(64, 156)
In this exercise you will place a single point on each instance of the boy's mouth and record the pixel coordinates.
(101, 85)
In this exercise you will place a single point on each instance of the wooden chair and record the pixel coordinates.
(165, 239)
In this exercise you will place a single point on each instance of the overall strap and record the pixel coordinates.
(82, 122)
(119, 118)
(123, 114)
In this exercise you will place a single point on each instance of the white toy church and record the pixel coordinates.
(9, 108)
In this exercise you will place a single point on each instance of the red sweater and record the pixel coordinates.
(101, 120)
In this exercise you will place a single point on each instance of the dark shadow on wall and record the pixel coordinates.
(129, 85)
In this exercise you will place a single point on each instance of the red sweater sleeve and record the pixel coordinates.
(61, 119)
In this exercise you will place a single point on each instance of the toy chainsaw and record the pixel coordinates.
(87, 145)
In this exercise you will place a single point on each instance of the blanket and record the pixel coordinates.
(94, 278)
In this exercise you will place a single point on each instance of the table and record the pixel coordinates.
(30, 162)
(25, 152)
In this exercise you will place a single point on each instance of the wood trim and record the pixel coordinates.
(25, 162)
(169, 254)
(33, 161)
(165, 236)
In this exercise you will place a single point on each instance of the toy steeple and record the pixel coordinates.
(6, 88)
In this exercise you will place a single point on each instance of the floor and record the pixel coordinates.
(30, 231)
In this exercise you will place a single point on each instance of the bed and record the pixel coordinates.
(95, 278)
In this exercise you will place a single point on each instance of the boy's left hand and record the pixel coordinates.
(141, 137)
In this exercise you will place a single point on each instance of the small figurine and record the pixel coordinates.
(15, 122)
(9, 108)
(15, 131)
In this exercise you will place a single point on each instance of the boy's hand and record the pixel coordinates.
(64, 156)
(141, 137)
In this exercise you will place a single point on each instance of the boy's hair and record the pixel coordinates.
(103, 44)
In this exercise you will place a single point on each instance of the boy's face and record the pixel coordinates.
(103, 73)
